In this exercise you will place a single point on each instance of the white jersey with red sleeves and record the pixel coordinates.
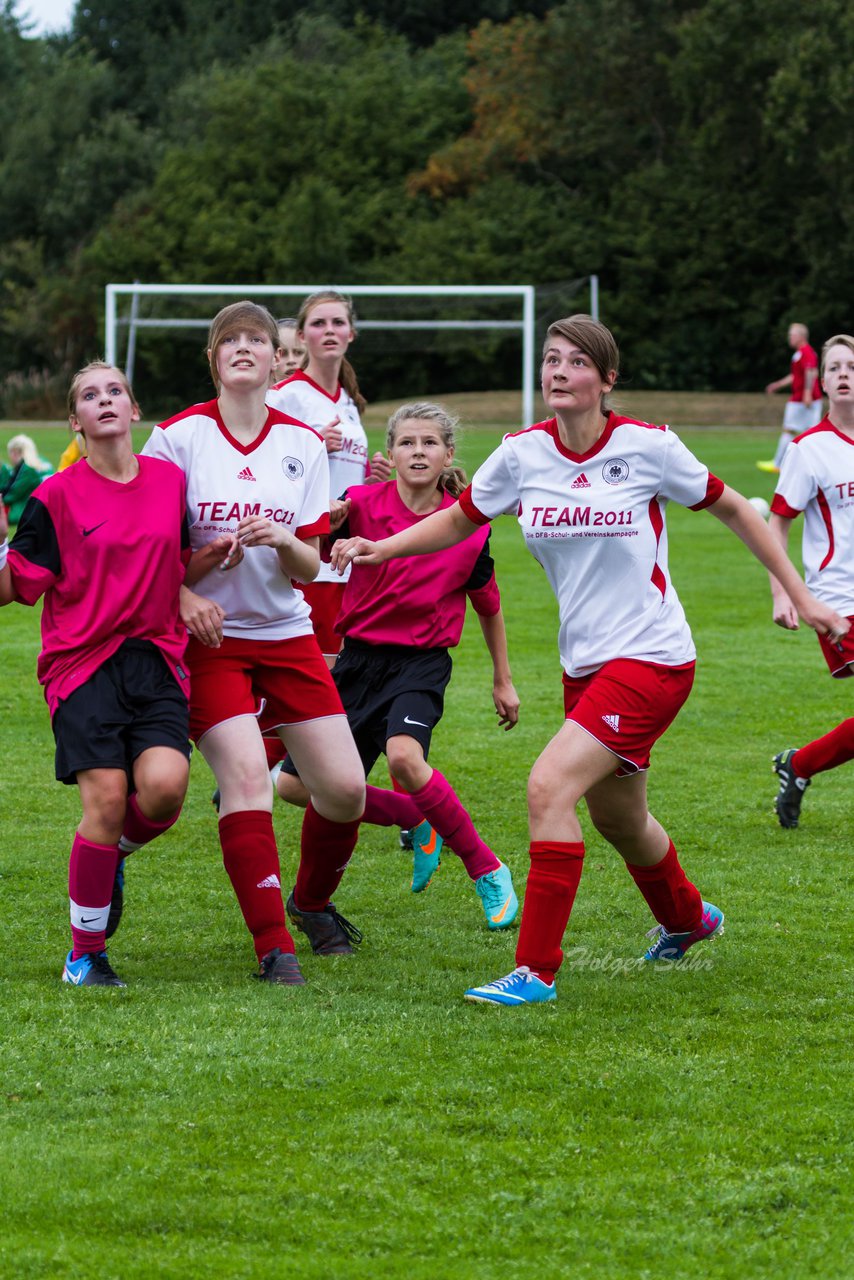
(300, 397)
(595, 522)
(817, 478)
(282, 475)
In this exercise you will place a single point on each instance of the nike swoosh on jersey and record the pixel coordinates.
(406, 720)
(86, 532)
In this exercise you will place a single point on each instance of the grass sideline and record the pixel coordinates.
(372, 1123)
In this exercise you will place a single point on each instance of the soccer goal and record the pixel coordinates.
(403, 310)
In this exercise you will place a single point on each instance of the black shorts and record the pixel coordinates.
(131, 703)
(387, 690)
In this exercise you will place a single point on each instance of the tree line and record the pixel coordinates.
(696, 156)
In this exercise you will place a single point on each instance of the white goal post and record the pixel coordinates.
(523, 295)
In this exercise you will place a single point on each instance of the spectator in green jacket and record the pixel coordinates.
(23, 473)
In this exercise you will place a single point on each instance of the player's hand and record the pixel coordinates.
(380, 468)
(824, 620)
(784, 613)
(506, 701)
(355, 551)
(771, 388)
(228, 550)
(333, 436)
(203, 618)
(339, 509)
(258, 531)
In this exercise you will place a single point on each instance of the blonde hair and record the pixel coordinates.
(233, 318)
(595, 340)
(82, 374)
(838, 340)
(26, 446)
(347, 376)
(453, 479)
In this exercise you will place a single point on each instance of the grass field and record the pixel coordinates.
(651, 1122)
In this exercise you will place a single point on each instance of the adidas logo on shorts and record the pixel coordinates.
(613, 722)
(246, 474)
(270, 882)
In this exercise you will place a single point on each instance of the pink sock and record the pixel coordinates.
(671, 897)
(390, 809)
(139, 830)
(439, 804)
(91, 873)
(325, 849)
(834, 748)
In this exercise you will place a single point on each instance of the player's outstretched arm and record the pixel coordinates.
(6, 594)
(297, 559)
(443, 529)
(737, 514)
(784, 612)
(504, 695)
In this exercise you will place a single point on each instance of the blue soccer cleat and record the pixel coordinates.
(519, 987)
(426, 846)
(672, 946)
(93, 969)
(498, 897)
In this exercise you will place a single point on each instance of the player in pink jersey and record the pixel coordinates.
(817, 478)
(105, 542)
(398, 623)
(589, 490)
(804, 406)
(258, 480)
(325, 394)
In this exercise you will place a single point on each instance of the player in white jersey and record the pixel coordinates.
(325, 394)
(817, 478)
(258, 503)
(589, 489)
(291, 349)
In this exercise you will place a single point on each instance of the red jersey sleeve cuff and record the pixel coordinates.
(714, 489)
(316, 530)
(780, 507)
(469, 509)
(487, 599)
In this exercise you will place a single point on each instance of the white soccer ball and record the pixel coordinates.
(760, 505)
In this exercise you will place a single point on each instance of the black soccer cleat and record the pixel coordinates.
(327, 931)
(92, 969)
(282, 968)
(790, 794)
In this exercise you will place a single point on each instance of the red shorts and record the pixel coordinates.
(324, 600)
(286, 679)
(627, 705)
(838, 654)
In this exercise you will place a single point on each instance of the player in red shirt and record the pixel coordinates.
(817, 479)
(804, 406)
(258, 503)
(398, 623)
(105, 542)
(589, 489)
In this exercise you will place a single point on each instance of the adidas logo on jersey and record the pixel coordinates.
(613, 722)
(580, 482)
(271, 882)
(246, 474)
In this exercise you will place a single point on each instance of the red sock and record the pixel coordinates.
(325, 849)
(91, 873)
(556, 868)
(275, 749)
(835, 748)
(139, 830)
(390, 809)
(672, 898)
(252, 861)
(439, 804)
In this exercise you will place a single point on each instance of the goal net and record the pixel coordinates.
(415, 341)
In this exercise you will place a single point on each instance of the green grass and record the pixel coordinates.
(372, 1123)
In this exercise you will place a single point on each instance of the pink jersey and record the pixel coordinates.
(109, 559)
(817, 478)
(300, 397)
(595, 522)
(283, 475)
(803, 360)
(418, 601)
